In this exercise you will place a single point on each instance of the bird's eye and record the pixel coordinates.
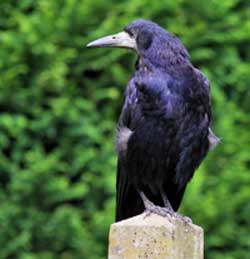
(131, 34)
(144, 39)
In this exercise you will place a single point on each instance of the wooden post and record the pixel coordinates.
(155, 237)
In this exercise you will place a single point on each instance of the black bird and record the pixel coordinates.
(164, 129)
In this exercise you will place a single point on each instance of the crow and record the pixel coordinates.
(164, 130)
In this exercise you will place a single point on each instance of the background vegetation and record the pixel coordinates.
(59, 105)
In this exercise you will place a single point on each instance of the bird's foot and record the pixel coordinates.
(164, 212)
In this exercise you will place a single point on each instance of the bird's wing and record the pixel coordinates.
(128, 202)
(184, 105)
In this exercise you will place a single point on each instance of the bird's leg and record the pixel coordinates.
(166, 201)
(147, 203)
(150, 207)
(168, 206)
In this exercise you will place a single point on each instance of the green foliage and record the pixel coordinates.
(59, 105)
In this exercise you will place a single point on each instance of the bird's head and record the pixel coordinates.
(148, 39)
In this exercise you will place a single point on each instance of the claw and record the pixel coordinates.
(186, 219)
(147, 213)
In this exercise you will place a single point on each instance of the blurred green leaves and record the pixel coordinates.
(59, 105)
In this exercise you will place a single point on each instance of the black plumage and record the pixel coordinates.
(164, 128)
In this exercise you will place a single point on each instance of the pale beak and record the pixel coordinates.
(119, 40)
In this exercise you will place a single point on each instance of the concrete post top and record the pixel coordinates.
(154, 220)
(155, 237)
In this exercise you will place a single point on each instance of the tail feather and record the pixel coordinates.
(128, 201)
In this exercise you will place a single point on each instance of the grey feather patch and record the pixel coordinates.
(123, 135)
(213, 140)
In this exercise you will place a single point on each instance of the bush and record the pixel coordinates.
(59, 106)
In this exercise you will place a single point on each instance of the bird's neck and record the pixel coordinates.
(175, 66)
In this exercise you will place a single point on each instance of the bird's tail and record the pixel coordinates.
(128, 201)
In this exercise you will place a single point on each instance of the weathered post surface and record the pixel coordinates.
(155, 237)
